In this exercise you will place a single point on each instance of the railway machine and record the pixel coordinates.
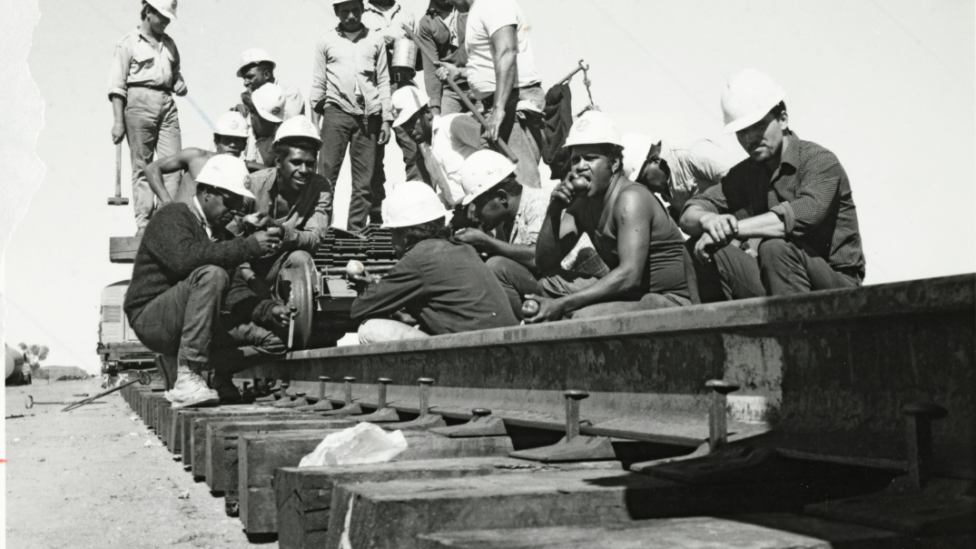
(118, 346)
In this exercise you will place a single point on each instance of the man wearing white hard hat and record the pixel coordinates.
(502, 205)
(791, 193)
(144, 76)
(442, 284)
(269, 112)
(181, 284)
(629, 228)
(292, 197)
(230, 138)
(257, 69)
(677, 171)
(351, 96)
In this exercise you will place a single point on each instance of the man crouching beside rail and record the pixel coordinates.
(442, 284)
(630, 230)
(181, 284)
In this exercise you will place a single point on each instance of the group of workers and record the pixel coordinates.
(636, 223)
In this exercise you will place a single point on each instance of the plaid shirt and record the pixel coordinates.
(809, 191)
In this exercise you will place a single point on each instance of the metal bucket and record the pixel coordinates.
(404, 53)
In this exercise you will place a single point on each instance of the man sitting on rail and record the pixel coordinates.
(230, 138)
(500, 203)
(628, 226)
(181, 283)
(793, 194)
(292, 197)
(442, 284)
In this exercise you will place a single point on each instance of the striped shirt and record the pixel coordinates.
(809, 191)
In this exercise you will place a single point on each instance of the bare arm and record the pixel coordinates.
(520, 253)
(171, 164)
(632, 213)
(504, 47)
(558, 235)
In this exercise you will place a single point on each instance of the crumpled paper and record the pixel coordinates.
(359, 445)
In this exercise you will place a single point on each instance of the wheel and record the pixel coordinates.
(295, 289)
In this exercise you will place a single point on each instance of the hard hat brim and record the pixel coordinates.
(164, 11)
(421, 220)
(744, 122)
(267, 115)
(405, 115)
(240, 71)
(242, 192)
(318, 140)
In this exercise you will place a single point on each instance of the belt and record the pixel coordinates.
(489, 100)
(149, 87)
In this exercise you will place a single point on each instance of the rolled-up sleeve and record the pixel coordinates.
(383, 84)
(712, 200)
(319, 76)
(818, 195)
(119, 71)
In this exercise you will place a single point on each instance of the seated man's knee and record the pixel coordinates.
(210, 275)
(773, 250)
(498, 264)
(299, 257)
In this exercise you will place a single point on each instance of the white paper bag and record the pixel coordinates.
(364, 443)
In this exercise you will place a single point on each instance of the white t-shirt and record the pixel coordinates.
(484, 18)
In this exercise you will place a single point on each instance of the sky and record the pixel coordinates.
(887, 86)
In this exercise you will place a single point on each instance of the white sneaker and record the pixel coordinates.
(191, 390)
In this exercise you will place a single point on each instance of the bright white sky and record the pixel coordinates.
(887, 85)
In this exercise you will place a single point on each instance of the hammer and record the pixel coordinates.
(292, 311)
(118, 199)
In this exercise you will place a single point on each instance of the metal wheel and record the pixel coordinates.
(295, 288)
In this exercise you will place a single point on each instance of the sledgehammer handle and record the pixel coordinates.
(118, 169)
(461, 95)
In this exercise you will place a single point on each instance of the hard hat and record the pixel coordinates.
(252, 57)
(297, 126)
(165, 7)
(637, 147)
(269, 100)
(411, 203)
(481, 171)
(225, 172)
(747, 98)
(593, 128)
(406, 103)
(231, 124)
(337, 2)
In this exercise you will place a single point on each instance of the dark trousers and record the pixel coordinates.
(186, 321)
(782, 268)
(518, 281)
(410, 159)
(339, 131)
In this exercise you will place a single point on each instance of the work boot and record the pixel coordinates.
(190, 390)
(226, 390)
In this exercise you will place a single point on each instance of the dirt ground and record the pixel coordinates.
(97, 477)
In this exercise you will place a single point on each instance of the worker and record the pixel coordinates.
(230, 137)
(351, 97)
(257, 69)
(501, 72)
(628, 227)
(441, 30)
(678, 172)
(444, 142)
(181, 284)
(144, 76)
(269, 104)
(791, 193)
(441, 284)
(500, 203)
(292, 197)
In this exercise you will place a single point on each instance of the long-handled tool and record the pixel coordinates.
(144, 377)
(582, 67)
(429, 58)
(118, 199)
(29, 402)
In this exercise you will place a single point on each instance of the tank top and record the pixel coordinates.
(664, 271)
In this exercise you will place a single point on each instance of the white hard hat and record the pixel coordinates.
(269, 100)
(253, 56)
(747, 98)
(225, 172)
(406, 103)
(481, 171)
(411, 203)
(297, 126)
(165, 7)
(593, 128)
(231, 124)
(637, 147)
(337, 2)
